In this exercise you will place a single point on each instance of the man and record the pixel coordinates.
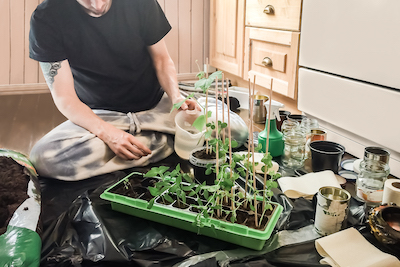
(107, 68)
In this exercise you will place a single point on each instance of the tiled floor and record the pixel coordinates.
(24, 119)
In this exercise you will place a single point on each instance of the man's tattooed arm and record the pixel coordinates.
(50, 71)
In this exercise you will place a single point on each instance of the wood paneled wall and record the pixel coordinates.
(189, 37)
(187, 42)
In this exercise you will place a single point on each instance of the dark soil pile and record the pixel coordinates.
(13, 187)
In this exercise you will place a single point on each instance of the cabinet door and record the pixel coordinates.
(226, 35)
(272, 54)
(361, 43)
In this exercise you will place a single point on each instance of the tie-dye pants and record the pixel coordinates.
(70, 152)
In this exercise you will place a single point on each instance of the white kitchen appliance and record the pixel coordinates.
(349, 75)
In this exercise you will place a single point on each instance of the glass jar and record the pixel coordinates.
(371, 180)
(294, 148)
(289, 125)
(307, 125)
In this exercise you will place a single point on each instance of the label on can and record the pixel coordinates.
(329, 217)
(370, 194)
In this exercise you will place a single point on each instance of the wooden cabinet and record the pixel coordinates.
(270, 42)
(227, 35)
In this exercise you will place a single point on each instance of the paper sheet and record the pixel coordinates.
(307, 185)
(335, 249)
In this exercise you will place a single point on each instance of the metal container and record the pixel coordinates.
(331, 211)
(259, 110)
(376, 154)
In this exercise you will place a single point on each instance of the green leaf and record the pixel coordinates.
(252, 207)
(179, 104)
(152, 172)
(187, 178)
(199, 123)
(153, 191)
(234, 143)
(151, 203)
(208, 134)
(201, 74)
(211, 188)
(233, 218)
(183, 196)
(168, 198)
(173, 188)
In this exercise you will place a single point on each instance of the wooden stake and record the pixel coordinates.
(267, 142)
(254, 169)
(230, 146)
(223, 107)
(207, 67)
(250, 142)
(216, 127)
(207, 149)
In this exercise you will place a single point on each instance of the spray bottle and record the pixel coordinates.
(276, 143)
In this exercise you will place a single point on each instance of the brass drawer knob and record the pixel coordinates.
(269, 10)
(267, 62)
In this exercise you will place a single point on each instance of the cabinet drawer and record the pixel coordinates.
(272, 54)
(276, 14)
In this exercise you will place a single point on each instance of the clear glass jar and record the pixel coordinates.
(307, 125)
(371, 180)
(294, 149)
(289, 125)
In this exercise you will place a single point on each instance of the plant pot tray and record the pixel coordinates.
(185, 219)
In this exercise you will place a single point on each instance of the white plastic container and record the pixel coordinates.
(241, 94)
(187, 137)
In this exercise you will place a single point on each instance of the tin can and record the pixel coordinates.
(331, 211)
(259, 110)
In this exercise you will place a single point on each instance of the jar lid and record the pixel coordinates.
(377, 154)
(348, 175)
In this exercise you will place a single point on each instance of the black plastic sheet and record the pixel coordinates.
(80, 229)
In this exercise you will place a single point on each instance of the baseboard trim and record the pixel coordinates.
(24, 89)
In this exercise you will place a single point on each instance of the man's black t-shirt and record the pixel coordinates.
(108, 55)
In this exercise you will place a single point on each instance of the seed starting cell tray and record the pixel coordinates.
(185, 217)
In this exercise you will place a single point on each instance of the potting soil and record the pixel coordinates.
(13, 189)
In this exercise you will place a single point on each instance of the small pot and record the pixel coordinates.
(326, 155)
(296, 117)
(199, 164)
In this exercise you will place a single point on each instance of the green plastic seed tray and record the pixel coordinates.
(185, 218)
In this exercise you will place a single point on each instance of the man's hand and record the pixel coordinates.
(190, 104)
(124, 145)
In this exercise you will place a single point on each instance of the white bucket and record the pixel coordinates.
(187, 137)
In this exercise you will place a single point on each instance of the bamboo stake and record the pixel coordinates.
(267, 142)
(254, 169)
(206, 67)
(216, 137)
(249, 143)
(207, 149)
(207, 104)
(216, 125)
(230, 146)
(223, 106)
